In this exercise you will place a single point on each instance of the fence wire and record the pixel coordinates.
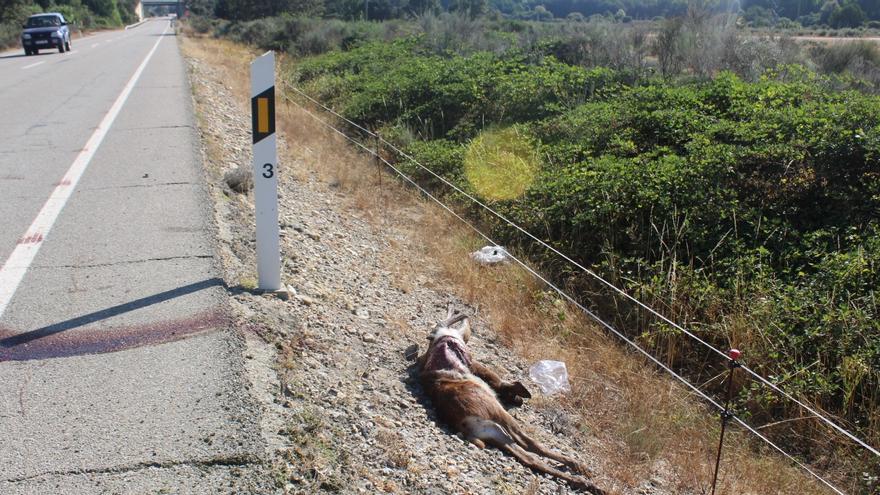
(693, 388)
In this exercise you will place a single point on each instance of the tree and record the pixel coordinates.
(422, 7)
(102, 8)
(10, 10)
(795, 8)
(848, 16)
(759, 16)
(201, 7)
(540, 13)
(871, 8)
(472, 8)
(828, 8)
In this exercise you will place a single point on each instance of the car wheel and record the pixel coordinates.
(35, 51)
(27, 53)
(67, 45)
(61, 47)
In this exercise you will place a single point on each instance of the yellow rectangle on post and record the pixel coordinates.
(262, 115)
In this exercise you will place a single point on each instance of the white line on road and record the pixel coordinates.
(33, 65)
(96, 44)
(13, 270)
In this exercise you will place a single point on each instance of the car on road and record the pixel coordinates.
(47, 30)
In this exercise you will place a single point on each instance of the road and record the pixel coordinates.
(118, 370)
(840, 39)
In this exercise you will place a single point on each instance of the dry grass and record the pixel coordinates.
(640, 425)
(396, 452)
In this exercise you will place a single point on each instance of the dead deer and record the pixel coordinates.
(466, 396)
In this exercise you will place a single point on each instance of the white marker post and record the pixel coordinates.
(265, 171)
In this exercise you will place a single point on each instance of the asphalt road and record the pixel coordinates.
(118, 373)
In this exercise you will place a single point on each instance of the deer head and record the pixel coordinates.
(447, 327)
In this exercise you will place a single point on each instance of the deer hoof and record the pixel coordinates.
(520, 390)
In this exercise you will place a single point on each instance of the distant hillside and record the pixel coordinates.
(784, 13)
(789, 13)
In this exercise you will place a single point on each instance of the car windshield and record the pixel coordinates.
(43, 21)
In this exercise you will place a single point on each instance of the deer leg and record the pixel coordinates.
(530, 444)
(483, 432)
(487, 375)
(476, 441)
(512, 392)
(536, 464)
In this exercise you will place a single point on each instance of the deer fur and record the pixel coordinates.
(466, 396)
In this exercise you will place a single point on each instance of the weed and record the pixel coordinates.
(248, 283)
(395, 448)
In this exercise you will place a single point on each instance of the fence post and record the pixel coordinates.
(733, 364)
(376, 155)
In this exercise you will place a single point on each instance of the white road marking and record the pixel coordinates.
(96, 44)
(13, 270)
(33, 65)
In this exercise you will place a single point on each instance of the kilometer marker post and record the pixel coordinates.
(265, 171)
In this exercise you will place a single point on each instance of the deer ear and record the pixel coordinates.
(411, 352)
(466, 330)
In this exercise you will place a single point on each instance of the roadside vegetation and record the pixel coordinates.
(726, 178)
(745, 210)
(80, 14)
(640, 424)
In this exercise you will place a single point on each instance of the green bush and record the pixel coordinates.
(9, 34)
(453, 96)
(302, 35)
(202, 25)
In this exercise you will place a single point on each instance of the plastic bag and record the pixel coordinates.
(551, 377)
(490, 255)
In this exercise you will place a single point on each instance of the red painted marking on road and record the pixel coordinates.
(98, 340)
(31, 239)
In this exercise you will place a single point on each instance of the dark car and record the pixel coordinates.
(45, 31)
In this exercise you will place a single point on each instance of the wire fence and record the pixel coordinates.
(610, 328)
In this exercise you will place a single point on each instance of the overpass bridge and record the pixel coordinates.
(159, 7)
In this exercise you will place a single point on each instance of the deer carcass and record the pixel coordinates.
(466, 396)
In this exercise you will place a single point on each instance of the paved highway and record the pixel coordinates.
(118, 373)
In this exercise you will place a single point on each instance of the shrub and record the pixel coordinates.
(9, 34)
(858, 59)
(201, 25)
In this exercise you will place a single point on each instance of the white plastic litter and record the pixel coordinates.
(551, 376)
(490, 255)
